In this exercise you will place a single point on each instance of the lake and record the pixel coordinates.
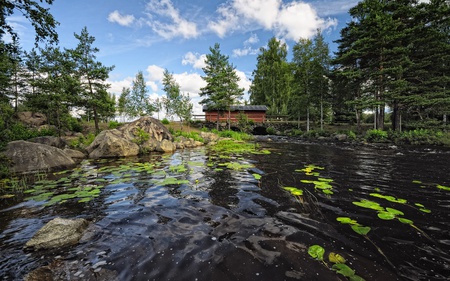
(301, 212)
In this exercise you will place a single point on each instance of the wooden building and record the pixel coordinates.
(257, 113)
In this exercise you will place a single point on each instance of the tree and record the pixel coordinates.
(139, 102)
(172, 100)
(122, 103)
(222, 89)
(92, 76)
(43, 22)
(272, 78)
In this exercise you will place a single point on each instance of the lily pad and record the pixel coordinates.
(294, 190)
(405, 221)
(363, 230)
(346, 220)
(316, 252)
(336, 258)
(257, 176)
(369, 205)
(443, 187)
(343, 269)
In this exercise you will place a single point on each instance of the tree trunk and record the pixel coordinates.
(396, 117)
(321, 115)
(358, 120)
(307, 119)
(97, 129)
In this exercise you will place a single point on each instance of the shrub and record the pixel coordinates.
(351, 135)
(165, 121)
(239, 136)
(376, 135)
(141, 136)
(113, 124)
(271, 131)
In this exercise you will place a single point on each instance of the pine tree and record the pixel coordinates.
(139, 101)
(222, 89)
(92, 76)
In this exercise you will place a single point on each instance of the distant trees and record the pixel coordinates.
(222, 89)
(175, 102)
(396, 54)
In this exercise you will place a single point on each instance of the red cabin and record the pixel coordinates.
(257, 113)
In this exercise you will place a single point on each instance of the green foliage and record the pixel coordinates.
(376, 135)
(165, 121)
(239, 136)
(192, 135)
(114, 124)
(141, 136)
(271, 131)
(82, 141)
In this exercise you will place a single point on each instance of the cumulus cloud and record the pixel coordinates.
(155, 73)
(247, 49)
(196, 60)
(175, 26)
(293, 20)
(124, 20)
(116, 86)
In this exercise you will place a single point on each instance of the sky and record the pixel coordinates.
(154, 35)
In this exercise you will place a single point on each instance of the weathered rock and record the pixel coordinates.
(76, 155)
(58, 233)
(111, 143)
(32, 119)
(209, 137)
(30, 156)
(166, 146)
(145, 134)
(341, 137)
(50, 140)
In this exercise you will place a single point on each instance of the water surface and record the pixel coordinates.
(193, 215)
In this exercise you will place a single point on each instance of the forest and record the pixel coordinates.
(391, 69)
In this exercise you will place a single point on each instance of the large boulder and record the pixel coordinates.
(28, 156)
(50, 140)
(58, 233)
(111, 143)
(32, 119)
(145, 134)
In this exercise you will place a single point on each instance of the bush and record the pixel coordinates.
(376, 135)
(165, 121)
(271, 131)
(239, 136)
(74, 125)
(114, 124)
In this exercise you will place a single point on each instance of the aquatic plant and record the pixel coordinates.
(318, 252)
(322, 184)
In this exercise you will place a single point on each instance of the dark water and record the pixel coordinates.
(223, 224)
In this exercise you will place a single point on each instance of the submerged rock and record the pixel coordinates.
(58, 233)
(29, 156)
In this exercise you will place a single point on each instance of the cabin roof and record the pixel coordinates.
(240, 108)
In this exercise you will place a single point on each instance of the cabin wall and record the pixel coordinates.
(256, 116)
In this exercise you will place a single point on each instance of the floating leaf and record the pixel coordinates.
(416, 181)
(405, 221)
(294, 190)
(419, 205)
(363, 230)
(369, 205)
(257, 176)
(389, 198)
(6, 196)
(336, 258)
(316, 252)
(343, 269)
(356, 278)
(386, 216)
(446, 188)
(346, 220)
(395, 211)
(425, 210)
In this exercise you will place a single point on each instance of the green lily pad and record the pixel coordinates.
(343, 269)
(336, 258)
(346, 220)
(363, 230)
(316, 252)
(442, 187)
(294, 190)
(257, 176)
(369, 205)
(386, 216)
(405, 221)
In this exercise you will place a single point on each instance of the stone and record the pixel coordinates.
(209, 137)
(76, 155)
(29, 156)
(143, 135)
(49, 140)
(109, 144)
(341, 137)
(32, 119)
(58, 233)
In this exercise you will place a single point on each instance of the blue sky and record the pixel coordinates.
(153, 35)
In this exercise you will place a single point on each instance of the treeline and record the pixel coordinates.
(394, 56)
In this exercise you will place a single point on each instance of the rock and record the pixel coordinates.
(58, 233)
(50, 140)
(30, 156)
(341, 137)
(209, 137)
(110, 143)
(32, 119)
(166, 146)
(76, 155)
(143, 135)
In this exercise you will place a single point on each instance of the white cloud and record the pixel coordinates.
(293, 20)
(124, 20)
(247, 49)
(244, 82)
(196, 60)
(176, 25)
(155, 73)
(190, 83)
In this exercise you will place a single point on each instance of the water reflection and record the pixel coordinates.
(214, 221)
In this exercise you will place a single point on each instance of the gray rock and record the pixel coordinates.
(28, 156)
(32, 119)
(341, 137)
(209, 137)
(129, 140)
(50, 140)
(110, 143)
(76, 155)
(58, 233)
